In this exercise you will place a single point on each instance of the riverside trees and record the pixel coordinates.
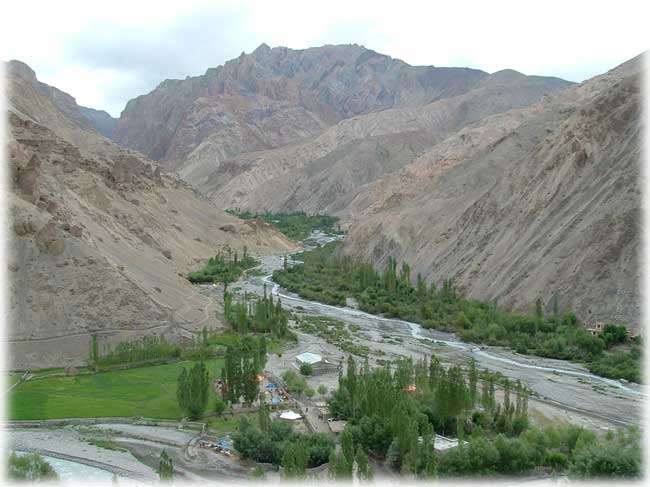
(222, 268)
(330, 279)
(165, 467)
(395, 414)
(296, 225)
(256, 314)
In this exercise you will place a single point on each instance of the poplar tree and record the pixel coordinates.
(165, 467)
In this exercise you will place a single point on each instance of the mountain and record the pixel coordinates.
(323, 173)
(525, 204)
(274, 111)
(100, 120)
(272, 97)
(85, 118)
(100, 239)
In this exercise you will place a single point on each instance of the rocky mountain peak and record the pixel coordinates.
(22, 70)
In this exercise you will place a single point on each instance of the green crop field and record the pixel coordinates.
(148, 392)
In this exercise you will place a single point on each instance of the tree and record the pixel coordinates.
(165, 467)
(539, 313)
(251, 385)
(322, 390)
(264, 418)
(94, 351)
(192, 389)
(394, 456)
(306, 369)
(364, 471)
(473, 381)
(31, 467)
(219, 406)
(608, 460)
(294, 460)
(556, 308)
(182, 392)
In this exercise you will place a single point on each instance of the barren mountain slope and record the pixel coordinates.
(271, 97)
(324, 173)
(525, 204)
(100, 240)
(85, 118)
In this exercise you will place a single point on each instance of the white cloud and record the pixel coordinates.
(106, 53)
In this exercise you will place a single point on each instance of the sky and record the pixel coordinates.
(106, 53)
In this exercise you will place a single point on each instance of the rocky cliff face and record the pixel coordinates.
(101, 240)
(272, 97)
(325, 172)
(525, 204)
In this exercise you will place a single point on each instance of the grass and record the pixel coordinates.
(220, 426)
(13, 379)
(335, 332)
(148, 392)
(297, 225)
(105, 444)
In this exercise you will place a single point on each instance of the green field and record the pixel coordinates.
(227, 423)
(148, 392)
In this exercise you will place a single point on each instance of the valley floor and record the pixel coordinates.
(562, 391)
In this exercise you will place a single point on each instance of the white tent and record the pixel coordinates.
(289, 415)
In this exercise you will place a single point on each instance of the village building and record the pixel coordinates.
(336, 426)
(317, 362)
(442, 443)
(596, 329)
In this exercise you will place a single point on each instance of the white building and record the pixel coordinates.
(318, 363)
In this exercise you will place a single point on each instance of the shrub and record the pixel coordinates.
(306, 369)
(31, 467)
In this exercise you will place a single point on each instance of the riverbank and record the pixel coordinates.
(563, 389)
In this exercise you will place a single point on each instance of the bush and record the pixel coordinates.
(31, 467)
(306, 369)
(609, 460)
(295, 383)
(219, 406)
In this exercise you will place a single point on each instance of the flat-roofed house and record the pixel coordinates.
(317, 362)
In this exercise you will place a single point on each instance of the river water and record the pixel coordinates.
(418, 332)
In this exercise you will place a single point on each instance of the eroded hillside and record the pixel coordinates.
(101, 241)
(526, 204)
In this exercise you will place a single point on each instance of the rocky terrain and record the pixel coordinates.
(86, 118)
(101, 240)
(274, 97)
(323, 173)
(525, 204)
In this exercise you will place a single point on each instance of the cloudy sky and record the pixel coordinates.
(105, 53)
